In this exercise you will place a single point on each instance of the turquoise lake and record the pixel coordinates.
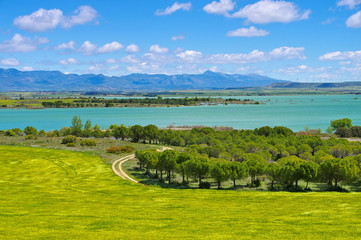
(295, 112)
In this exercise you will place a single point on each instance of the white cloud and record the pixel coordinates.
(87, 48)
(83, 14)
(111, 60)
(190, 56)
(347, 55)
(180, 37)
(26, 68)
(175, 7)
(64, 46)
(348, 3)
(132, 48)
(44, 20)
(248, 32)
(114, 68)
(288, 53)
(9, 62)
(157, 49)
(69, 61)
(354, 21)
(220, 8)
(40, 21)
(110, 47)
(269, 11)
(21, 44)
(238, 58)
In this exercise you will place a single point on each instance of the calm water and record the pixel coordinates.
(295, 112)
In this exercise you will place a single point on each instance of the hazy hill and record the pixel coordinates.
(14, 80)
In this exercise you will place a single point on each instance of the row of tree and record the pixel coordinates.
(287, 172)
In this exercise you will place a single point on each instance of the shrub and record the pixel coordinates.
(120, 149)
(70, 144)
(10, 133)
(68, 139)
(257, 183)
(29, 137)
(342, 132)
(88, 142)
(205, 185)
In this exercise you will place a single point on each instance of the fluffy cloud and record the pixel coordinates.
(9, 62)
(87, 48)
(190, 56)
(66, 46)
(269, 11)
(21, 44)
(238, 58)
(175, 38)
(69, 61)
(44, 20)
(110, 47)
(348, 55)
(288, 53)
(175, 7)
(220, 8)
(354, 21)
(348, 3)
(248, 32)
(157, 49)
(132, 48)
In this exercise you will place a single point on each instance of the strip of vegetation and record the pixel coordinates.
(126, 102)
(280, 154)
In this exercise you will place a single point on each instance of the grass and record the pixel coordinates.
(57, 194)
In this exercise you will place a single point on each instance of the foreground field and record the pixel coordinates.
(53, 194)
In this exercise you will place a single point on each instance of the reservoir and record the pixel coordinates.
(295, 112)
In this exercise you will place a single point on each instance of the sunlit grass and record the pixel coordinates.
(53, 194)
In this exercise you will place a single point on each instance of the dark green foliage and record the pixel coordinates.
(205, 185)
(343, 132)
(68, 139)
(31, 131)
(88, 142)
(341, 123)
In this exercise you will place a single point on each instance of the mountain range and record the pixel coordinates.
(15, 80)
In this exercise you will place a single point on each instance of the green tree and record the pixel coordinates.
(273, 171)
(341, 123)
(309, 170)
(291, 170)
(76, 126)
(151, 132)
(256, 165)
(119, 131)
(181, 167)
(220, 171)
(136, 133)
(168, 161)
(31, 131)
(337, 170)
(238, 171)
(200, 167)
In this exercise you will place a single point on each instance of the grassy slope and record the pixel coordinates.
(53, 194)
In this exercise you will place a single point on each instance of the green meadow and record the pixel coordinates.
(58, 194)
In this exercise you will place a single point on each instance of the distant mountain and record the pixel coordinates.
(314, 85)
(14, 80)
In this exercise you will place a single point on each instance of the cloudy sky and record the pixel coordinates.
(300, 40)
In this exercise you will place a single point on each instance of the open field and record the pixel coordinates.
(53, 194)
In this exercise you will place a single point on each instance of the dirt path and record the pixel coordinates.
(117, 166)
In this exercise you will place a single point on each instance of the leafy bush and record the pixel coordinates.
(88, 142)
(120, 149)
(257, 183)
(29, 137)
(205, 185)
(68, 139)
(70, 144)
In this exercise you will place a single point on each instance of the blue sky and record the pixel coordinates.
(300, 40)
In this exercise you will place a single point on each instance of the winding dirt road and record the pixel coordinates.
(117, 166)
